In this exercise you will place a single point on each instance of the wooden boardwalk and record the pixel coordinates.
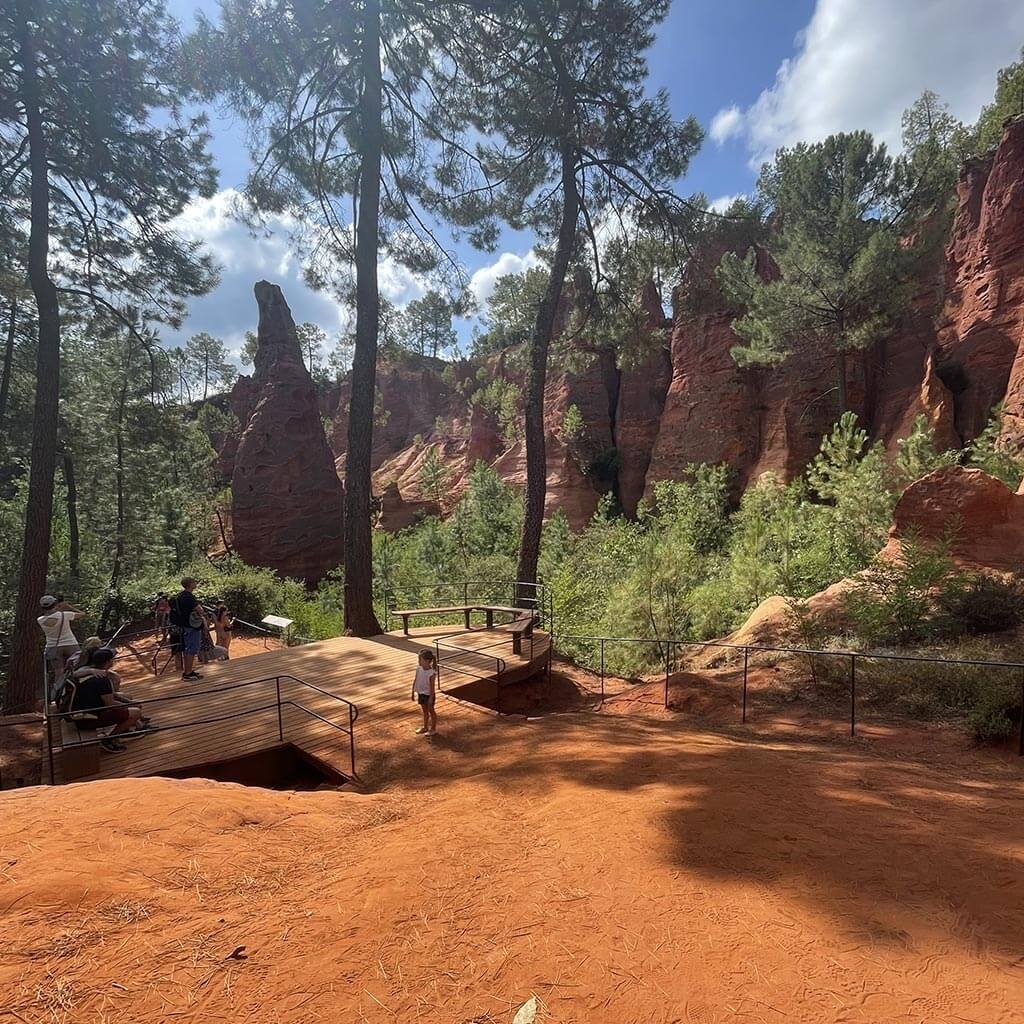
(237, 701)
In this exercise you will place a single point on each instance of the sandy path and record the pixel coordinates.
(622, 868)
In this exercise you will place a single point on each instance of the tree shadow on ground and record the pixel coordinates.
(888, 848)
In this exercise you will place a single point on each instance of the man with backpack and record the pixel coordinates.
(190, 617)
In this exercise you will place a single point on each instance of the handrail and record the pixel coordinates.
(670, 645)
(835, 651)
(541, 599)
(353, 711)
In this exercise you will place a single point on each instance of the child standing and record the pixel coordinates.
(162, 615)
(423, 692)
(224, 624)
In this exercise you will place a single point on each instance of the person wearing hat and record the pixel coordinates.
(55, 622)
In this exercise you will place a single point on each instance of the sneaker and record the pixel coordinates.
(112, 746)
(430, 732)
(421, 731)
(191, 675)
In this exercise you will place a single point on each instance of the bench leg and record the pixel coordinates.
(466, 613)
(517, 643)
(490, 618)
(405, 624)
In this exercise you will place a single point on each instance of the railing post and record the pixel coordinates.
(497, 700)
(746, 662)
(602, 669)
(437, 664)
(465, 593)
(1020, 746)
(853, 694)
(280, 719)
(352, 736)
(668, 655)
(49, 742)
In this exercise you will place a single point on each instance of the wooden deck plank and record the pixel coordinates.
(375, 674)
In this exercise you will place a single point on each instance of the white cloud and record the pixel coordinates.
(861, 63)
(722, 203)
(397, 283)
(481, 284)
(726, 123)
(245, 256)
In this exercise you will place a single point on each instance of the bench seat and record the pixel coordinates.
(80, 753)
(405, 613)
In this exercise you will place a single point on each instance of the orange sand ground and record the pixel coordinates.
(624, 867)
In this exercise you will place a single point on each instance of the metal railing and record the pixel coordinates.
(668, 654)
(456, 653)
(535, 596)
(279, 703)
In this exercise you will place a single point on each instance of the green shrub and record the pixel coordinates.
(980, 603)
(893, 602)
(992, 717)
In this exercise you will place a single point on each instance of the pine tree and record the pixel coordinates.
(425, 325)
(557, 90)
(351, 139)
(97, 177)
(843, 271)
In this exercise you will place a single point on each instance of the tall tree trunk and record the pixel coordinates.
(543, 328)
(74, 538)
(5, 380)
(117, 566)
(25, 672)
(841, 380)
(359, 613)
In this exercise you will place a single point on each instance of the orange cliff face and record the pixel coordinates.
(957, 354)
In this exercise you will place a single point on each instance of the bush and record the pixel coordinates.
(992, 718)
(893, 602)
(980, 603)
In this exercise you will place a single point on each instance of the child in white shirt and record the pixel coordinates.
(423, 692)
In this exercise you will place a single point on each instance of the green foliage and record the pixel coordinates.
(502, 400)
(916, 455)
(424, 326)
(979, 603)
(203, 367)
(857, 482)
(573, 426)
(843, 266)
(893, 602)
(1008, 102)
(510, 311)
(433, 476)
(989, 453)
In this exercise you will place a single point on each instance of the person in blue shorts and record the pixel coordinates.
(190, 617)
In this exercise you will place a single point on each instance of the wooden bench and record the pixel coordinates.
(489, 611)
(520, 628)
(80, 753)
(405, 613)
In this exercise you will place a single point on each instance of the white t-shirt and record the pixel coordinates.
(421, 684)
(57, 628)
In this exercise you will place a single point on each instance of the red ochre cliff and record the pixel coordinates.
(959, 353)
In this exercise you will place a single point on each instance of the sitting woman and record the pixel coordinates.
(83, 659)
(94, 694)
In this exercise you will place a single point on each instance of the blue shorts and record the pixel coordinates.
(190, 639)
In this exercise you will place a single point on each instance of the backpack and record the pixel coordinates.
(176, 614)
(65, 695)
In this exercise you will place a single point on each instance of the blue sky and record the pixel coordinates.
(756, 74)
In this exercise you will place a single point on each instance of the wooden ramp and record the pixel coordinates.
(237, 707)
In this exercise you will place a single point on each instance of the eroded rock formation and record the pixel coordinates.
(287, 500)
(959, 352)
